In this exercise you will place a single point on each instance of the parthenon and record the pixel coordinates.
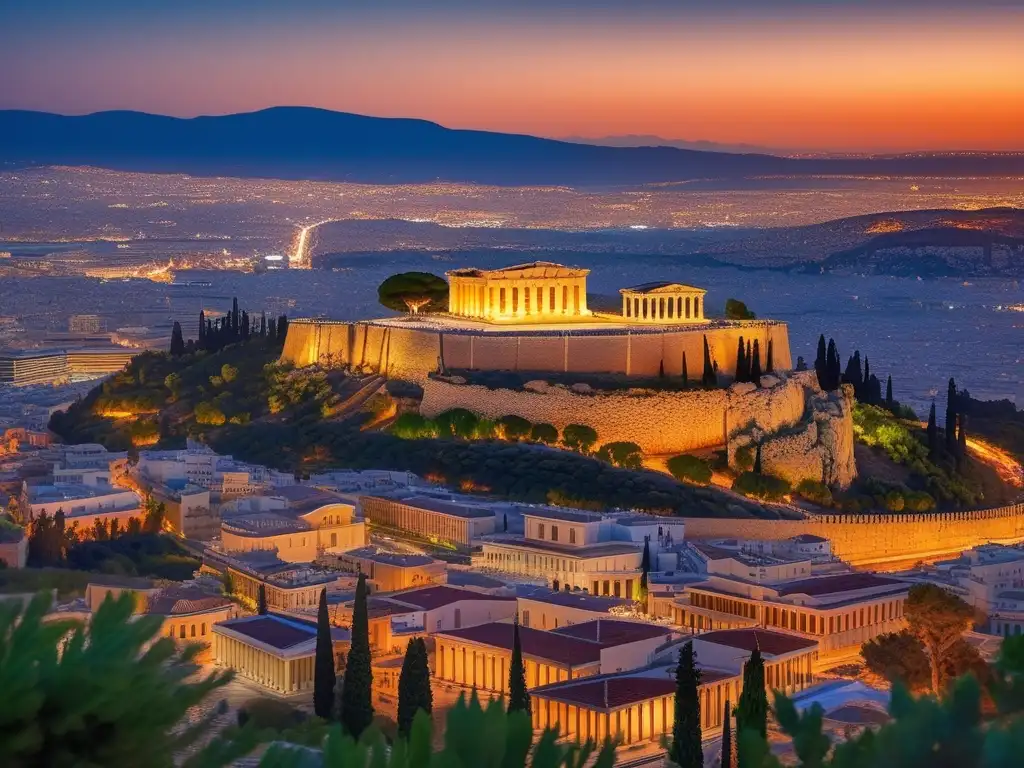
(663, 303)
(535, 292)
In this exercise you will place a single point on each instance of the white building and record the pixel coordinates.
(80, 503)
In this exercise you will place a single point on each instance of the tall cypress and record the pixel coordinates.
(356, 696)
(755, 364)
(933, 433)
(888, 393)
(261, 600)
(686, 374)
(752, 712)
(685, 749)
(961, 439)
(769, 362)
(202, 328)
(645, 570)
(177, 340)
(414, 686)
(821, 363)
(709, 378)
(951, 416)
(235, 317)
(726, 737)
(263, 324)
(323, 662)
(834, 366)
(867, 368)
(741, 361)
(518, 696)
(757, 460)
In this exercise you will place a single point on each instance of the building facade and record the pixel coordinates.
(459, 524)
(535, 292)
(666, 303)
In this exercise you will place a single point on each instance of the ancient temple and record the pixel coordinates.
(669, 303)
(535, 292)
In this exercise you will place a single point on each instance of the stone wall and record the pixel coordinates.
(878, 540)
(659, 422)
(405, 350)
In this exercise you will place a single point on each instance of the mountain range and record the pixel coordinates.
(317, 144)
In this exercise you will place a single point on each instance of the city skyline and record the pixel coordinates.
(801, 76)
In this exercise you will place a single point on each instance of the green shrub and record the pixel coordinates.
(412, 426)
(621, 454)
(894, 501)
(918, 501)
(457, 422)
(544, 433)
(209, 413)
(515, 427)
(763, 487)
(579, 437)
(815, 492)
(690, 469)
(744, 458)
(485, 429)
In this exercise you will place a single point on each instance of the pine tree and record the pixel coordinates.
(951, 416)
(726, 737)
(888, 393)
(709, 378)
(324, 678)
(518, 697)
(933, 433)
(769, 362)
(821, 364)
(741, 361)
(752, 712)
(685, 749)
(261, 600)
(686, 374)
(755, 364)
(357, 702)
(414, 686)
(177, 340)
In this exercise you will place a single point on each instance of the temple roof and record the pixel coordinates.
(662, 287)
(533, 269)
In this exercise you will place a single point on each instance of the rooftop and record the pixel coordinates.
(771, 643)
(398, 559)
(808, 538)
(561, 649)
(753, 559)
(175, 601)
(602, 549)
(612, 632)
(263, 524)
(620, 690)
(568, 515)
(843, 582)
(659, 285)
(306, 497)
(468, 578)
(436, 596)
(276, 631)
(579, 600)
(440, 506)
(630, 520)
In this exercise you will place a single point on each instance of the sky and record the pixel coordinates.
(797, 75)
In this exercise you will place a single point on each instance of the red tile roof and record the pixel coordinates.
(608, 632)
(428, 598)
(843, 582)
(561, 649)
(621, 691)
(176, 601)
(770, 643)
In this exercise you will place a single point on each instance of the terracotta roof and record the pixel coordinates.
(843, 582)
(609, 632)
(770, 643)
(428, 598)
(175, 601)
(561, 649)
(620, 691)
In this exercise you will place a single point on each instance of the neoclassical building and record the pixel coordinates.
(535, 292)
(663, 303)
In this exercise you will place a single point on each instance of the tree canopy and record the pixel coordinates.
(414, 292)
(737, 310)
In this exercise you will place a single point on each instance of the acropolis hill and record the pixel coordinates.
(533, 319)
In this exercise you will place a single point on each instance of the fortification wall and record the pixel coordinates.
(877, 540)
(410, 352)
(659, 422)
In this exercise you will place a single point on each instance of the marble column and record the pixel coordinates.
(625, 307)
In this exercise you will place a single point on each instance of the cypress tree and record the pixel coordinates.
(951, 416)
(504, 522)
(261, 600)
(685, 750)
(961, 439)
(686, 375)
(867, 369)
(518, 697)
(245, 325)
(888, 393)
(235, 317)
(757, 460)
(726, 737)
(645, 569)
(752, 712)
(769, 362)
(853, 375)
(414, 686)
(755, 364)
(202, 328)
(741, 362)
(263, 324)
(323, 662)
(821, 363)
(933, 433)
(282, 326)
(709, 378)
(834, 376)
(356, 696)
(177, 340)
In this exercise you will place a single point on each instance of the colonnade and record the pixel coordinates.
(678, 307)
(273, 672)
(509, 299)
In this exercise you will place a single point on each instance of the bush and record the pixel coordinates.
(485, 429)
(209, 413)
(744, 458)
(622, 454)
(763, 487)
(815, 492)
(413, 426)
(918, 501)
(579, 438)
(270, 713)
(690, 469)
(457, 422)
(737, 310)
(515, 427)
(894, 501)
(544, 433)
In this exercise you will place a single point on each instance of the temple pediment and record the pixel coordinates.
(662, 288)
(535, 270)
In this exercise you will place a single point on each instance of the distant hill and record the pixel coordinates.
(306, 143)
(648, 140)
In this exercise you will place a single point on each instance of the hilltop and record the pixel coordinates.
(318, 144)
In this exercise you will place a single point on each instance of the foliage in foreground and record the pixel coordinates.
(94, 695)
(474, 738)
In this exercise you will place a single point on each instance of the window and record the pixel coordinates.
(526, 618)
(629, 589)
(193, 630)
(181, 632)
(554, 533)
(458, 618)
(572, 535)
(202, 629)
(540, 530)
(618, 589)
(606, 587)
